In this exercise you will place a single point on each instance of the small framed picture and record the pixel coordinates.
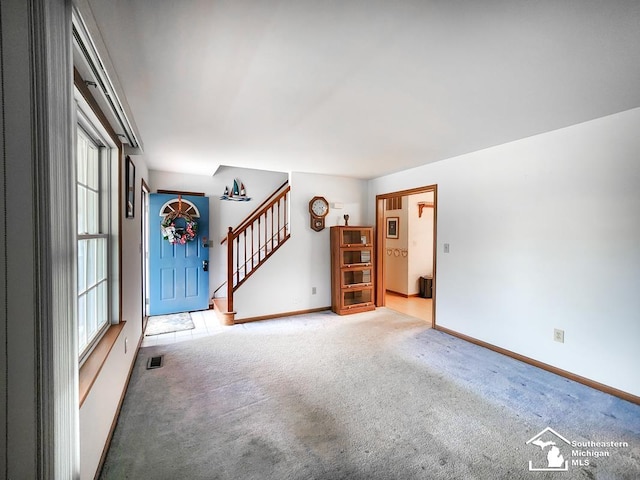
(130, 193)
(392, 227)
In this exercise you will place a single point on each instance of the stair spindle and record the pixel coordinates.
(230, 270)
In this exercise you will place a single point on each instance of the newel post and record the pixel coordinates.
(230, 270)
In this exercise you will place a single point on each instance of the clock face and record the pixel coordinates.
(319, 207)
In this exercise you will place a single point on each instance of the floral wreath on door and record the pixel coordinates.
(179, 228)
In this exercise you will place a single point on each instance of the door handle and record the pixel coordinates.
(205, 265)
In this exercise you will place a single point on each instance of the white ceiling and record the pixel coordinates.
(362, 88)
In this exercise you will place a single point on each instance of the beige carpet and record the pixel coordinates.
(369, 396)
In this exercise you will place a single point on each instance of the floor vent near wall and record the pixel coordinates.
(155, 362)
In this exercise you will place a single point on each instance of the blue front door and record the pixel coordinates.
(178, 273)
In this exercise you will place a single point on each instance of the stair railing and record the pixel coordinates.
(255, 239)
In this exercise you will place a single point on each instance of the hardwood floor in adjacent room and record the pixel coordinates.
(414, 306)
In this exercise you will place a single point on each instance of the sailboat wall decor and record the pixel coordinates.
(238, 193)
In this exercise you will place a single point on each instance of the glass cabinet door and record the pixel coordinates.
(356, 277)
(356, 236)
(355, 256)
(357, 298)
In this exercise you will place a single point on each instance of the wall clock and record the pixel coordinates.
(318, 209)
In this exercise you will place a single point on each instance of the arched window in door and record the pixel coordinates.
(180, 205)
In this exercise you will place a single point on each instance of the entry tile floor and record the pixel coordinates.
(206, 323)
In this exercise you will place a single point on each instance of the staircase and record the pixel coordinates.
(250, 244)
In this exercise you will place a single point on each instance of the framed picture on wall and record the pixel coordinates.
(393, 227)
(130, 184)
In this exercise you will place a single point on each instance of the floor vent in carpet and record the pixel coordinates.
(155, 362)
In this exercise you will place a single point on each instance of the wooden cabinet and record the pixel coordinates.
(352, 274)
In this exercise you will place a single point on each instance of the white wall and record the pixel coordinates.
(284, 283)
(544, 234)
(100, 407)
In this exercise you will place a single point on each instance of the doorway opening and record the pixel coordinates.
(406, 251)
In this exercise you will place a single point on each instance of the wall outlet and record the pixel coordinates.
(446, 248)
(558, 335)
(126, 344)
(313, 290)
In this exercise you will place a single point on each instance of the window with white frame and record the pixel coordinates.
(93, 186)
(98, 160)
